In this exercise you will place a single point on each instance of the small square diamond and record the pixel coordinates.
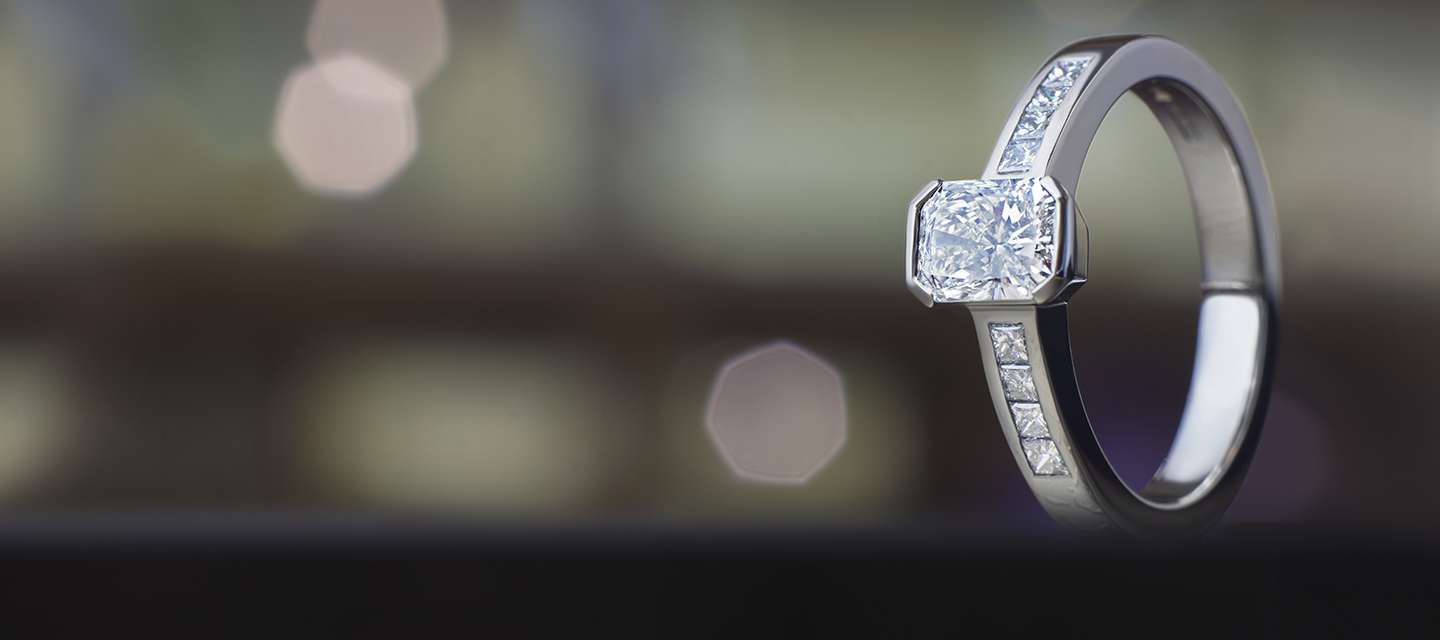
(1072, 67)
(1044, 458)
(1009, 343)
(1029, 420)
(1032, 121)
(1018, 383)
(1018, 155)
(1049, 96)
(1058, 76)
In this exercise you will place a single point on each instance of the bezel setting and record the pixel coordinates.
(1070, 247)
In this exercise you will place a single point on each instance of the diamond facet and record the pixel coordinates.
(1009, 343)
(1044, 458)
(1018, 383)
(1029, 420)
(984, 240)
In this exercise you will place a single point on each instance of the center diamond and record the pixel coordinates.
(986, 240)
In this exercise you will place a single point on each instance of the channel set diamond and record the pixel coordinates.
(1055, 84)
(987, 240)
(1009, 343)
(1029, 420)
(1018, 383)
(1032, 122)
(1044, 458)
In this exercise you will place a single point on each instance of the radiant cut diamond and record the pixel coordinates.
(1009, 343)
(984, 240)
(1018, 383)
(1044, 458)
(1029, 420)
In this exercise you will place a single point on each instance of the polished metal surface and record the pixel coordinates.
(1239, 249)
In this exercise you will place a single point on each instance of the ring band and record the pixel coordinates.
(1013, 248)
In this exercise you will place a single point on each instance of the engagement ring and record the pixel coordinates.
(1012, 248)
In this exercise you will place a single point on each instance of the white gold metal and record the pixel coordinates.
(1036, 396)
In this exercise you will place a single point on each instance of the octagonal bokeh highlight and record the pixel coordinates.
(777, 414)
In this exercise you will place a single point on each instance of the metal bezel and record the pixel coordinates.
(1071, 260)
(912, 222)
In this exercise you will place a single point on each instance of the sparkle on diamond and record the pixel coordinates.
(1029, 420)
(1019, 155)
(1032, 122)
(984, 240)
(1044, 458)
(1018, 383)
(1009, 343)
(1055, 85)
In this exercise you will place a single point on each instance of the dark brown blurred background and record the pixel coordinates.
(486, 259)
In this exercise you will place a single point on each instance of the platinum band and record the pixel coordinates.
(1239, 249)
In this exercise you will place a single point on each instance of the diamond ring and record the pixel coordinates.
(1012, 248)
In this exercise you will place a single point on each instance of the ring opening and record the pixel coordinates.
(1231, 331)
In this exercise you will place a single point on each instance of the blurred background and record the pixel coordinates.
(579, 261)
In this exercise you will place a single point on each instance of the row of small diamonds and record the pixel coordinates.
(1011, 353)
(1030, 129)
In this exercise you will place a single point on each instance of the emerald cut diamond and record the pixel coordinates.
(987, 240)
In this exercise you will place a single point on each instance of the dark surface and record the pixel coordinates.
(246, 574)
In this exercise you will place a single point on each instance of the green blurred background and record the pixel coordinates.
(608, 200)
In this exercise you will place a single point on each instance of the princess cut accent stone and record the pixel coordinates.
(1029, 420)
(1065, 72)
(1032, 122)
(1049, 96)
(1044, 458)
(1018, 383)
(1073, 67)
(1019, 155)
(1009, 343)
(1058, 76)
(1055, 84)
(984, 240)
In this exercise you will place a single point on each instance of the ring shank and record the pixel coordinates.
(1236, 226)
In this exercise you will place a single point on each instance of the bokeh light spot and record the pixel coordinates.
(345, 126)
(408, 37)
(446, 425)
(35, 420)
(777, 414)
